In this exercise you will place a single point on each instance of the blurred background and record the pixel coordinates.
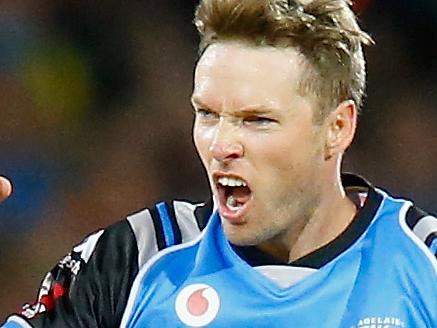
(95, 119)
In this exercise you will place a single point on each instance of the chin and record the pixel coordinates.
(240, 235)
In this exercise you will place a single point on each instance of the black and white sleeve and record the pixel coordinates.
(89, 287)
(424, 226)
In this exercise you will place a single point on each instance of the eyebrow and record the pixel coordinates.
(255, 109)
(196, 102)
(251, 109)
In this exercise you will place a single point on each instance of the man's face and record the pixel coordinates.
(256, 138)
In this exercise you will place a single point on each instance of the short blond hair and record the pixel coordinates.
(326, 32)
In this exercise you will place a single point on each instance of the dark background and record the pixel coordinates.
(95, 119)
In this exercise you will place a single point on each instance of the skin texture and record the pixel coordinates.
(252, 123)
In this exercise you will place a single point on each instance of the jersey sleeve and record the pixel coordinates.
(88, 287)
(424, 226)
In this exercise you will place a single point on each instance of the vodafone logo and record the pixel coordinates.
(197, 305)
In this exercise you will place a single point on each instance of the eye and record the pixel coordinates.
(205, 114)
(258, 120)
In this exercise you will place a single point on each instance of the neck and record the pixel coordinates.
(333, 215)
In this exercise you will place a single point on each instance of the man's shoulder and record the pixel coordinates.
(109, 259)
(417, 228)
(134, 240)
(421, 227)
(165, 224)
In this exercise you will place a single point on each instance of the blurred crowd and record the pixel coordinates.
(95, 118)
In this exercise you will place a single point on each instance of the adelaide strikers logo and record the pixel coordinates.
(197, 305)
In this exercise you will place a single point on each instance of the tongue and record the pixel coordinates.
(240, 194)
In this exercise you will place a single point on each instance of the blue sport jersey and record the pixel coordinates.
(374, 283)
(381, 272)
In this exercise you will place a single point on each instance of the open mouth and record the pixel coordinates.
(234, 194)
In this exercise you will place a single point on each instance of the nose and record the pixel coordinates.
(223, 151)
(225, 147)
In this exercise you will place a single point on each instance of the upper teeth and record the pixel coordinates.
(232, 182)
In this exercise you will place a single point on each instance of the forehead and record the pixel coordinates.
(237, 74)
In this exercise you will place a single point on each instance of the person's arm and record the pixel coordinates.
(89, 287)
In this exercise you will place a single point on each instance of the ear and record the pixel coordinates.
(341, 126)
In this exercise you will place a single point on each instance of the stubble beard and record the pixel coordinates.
(279, 221)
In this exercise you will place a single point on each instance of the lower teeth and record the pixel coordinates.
(232, 203)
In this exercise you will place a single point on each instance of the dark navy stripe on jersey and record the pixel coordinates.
(166, 224)
(159, 230)
(429, 240)
(433, 246)
(414, 214)
(174, 224)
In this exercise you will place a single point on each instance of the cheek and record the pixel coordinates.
(287, 155)
(277, 148)
(203, 138)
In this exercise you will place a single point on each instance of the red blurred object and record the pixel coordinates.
(58, 291)
(48, 302)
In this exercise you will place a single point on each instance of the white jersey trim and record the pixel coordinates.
(186, 219)
(410, 233)
(144, 231)
(425, 226)
(284, 276)
(144, 270)
(86, 248)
